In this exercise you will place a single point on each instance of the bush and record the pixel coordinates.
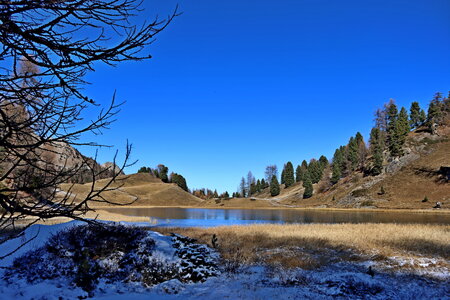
(425, 199)
(359, 193)
(84, 254)
(367, 203)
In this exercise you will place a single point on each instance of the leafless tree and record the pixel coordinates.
(47, 48)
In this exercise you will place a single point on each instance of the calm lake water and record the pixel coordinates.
(173, 216)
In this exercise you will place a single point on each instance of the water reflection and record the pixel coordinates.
(213, 217)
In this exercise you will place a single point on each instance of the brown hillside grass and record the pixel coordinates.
(144, 188)
(312, 245)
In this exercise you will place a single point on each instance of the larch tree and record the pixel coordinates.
(270, 171)
(243, 188)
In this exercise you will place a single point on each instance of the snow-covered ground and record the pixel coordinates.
(340, 280)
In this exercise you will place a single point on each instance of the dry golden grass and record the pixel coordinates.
(144, 188)
(312, 245)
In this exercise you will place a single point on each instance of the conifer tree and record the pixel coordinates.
(343, 160)
(226, 195)
(274, 186)
(263, 184)
(282, 175)
(289, 174)
(402, 129)
(304, 165)
(393, 130)
(352, 154)
(179, 180)
(298, 174)
(258, 186)
(163, 173)
(336, 173)
(414, 115)
(315, 171)
(307, 184)
(362, 151)
(323, 162)
(435, 110)
(446, 103)
(376, 150)
(423, 117)
(215, 194)
(337, 163)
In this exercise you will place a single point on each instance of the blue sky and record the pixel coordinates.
(237, 85)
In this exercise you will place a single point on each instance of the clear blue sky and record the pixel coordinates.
(237, 85)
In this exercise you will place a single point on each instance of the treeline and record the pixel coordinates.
(388, 136)
(162, 172)
(387, 140)
(209, 194)
(307, 173)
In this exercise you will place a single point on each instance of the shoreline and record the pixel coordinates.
(396, 210)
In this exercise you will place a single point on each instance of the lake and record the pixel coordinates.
(174, 216)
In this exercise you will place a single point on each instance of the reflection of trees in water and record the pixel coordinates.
(284, 215)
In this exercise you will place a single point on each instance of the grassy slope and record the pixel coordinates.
(148, 190)
(405, 188)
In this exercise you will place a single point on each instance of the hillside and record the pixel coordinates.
(144, 189)
(406, 182)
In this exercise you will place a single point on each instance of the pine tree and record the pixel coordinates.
(215, 194)
(258, 186)
(298, 174)
(352, 153)
(144, 170)
(336, 173)
(434, 111)
(402, 129)
(392, 130)
(307, 184)
(226, 195)
(179, 180)
(289, 174)
(315, 171)
(282, 175)
(263, 184)
(163, 173)
(446, 103)
(323, 162)
(274, 186)
(362, 150)
(423, 117)
(414, 115)
(343, 161)
(376, 150)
